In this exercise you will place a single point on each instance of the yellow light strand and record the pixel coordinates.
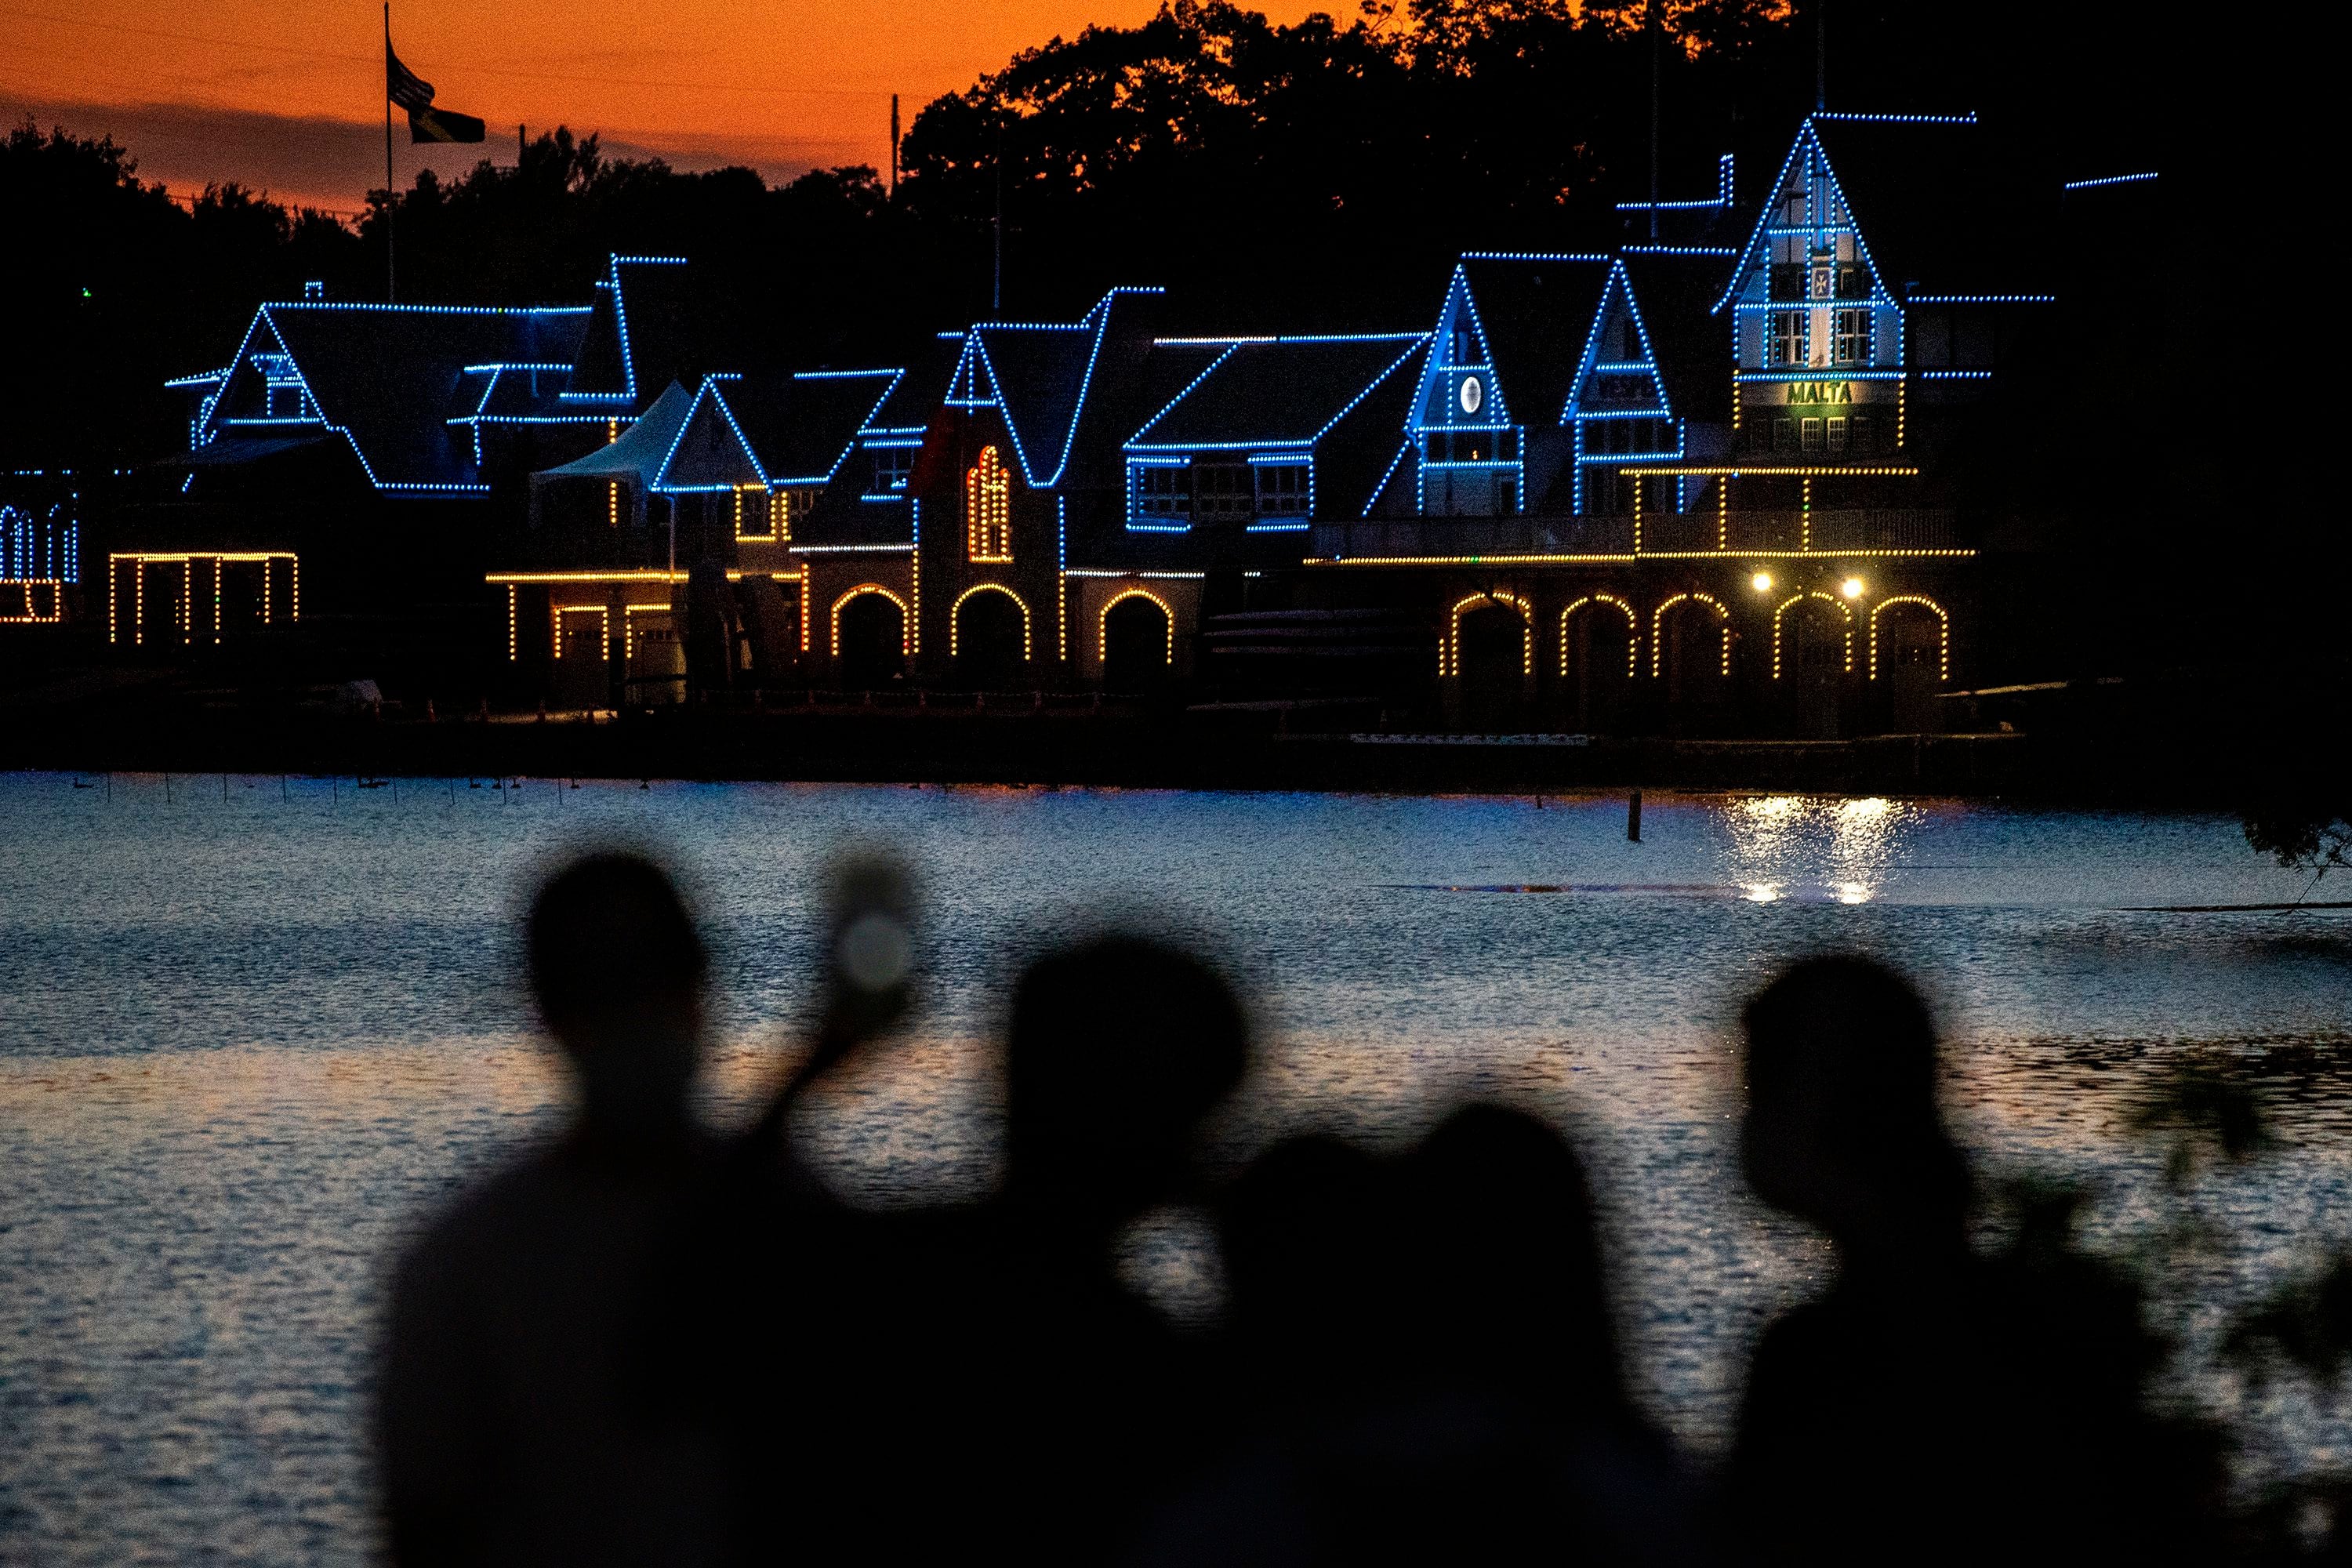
(988, 588)
(987, 510)
(1658, 629)
(1834, 603)
(1943, 633)
(903, 617)
(1102, 622)
(1449, 652)
(1632, 631)
(513, 616)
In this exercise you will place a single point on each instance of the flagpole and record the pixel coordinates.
(391, 291)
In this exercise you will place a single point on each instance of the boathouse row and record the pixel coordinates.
(1734, 473)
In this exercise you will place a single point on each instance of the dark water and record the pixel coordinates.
(244, 1042)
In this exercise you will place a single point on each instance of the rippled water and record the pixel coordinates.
(249, 1034)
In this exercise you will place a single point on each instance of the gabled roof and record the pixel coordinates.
(709, 451)
(640, 332)
(1277, 392)
(1038, 375)
(1674, 293)
(641, 450)
(1535, 312)
(1936, 214)
(801, 426)
(389, 378)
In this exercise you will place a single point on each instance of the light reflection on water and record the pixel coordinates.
(242, 1044)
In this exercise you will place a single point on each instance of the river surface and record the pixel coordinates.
(251, 1033)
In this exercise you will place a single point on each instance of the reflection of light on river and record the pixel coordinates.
(1784, 844)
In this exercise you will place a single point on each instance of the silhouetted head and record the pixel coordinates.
(1118, 1048)
(1311, 1257)
(618, 970)
(1508, 1257)
(1843, 1127)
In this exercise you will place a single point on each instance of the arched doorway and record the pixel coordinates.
(1910, 659)
(990, 638)
(1597, 654)
(1812, 655)
(1493, 651)
(870, 639)
(1690, 650)
(1138, 642)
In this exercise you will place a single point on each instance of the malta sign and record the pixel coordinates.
(1837, 394)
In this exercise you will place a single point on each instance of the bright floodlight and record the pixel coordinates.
(1761, 582)
(1851, 588)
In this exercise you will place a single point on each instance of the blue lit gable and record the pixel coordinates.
(1618, 405)
(1467, 443)
(709, 451)
(1036, 377)
(1817, 331)
(608, 371)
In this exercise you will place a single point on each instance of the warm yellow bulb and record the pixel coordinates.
(1761, 582)
(1851, 588)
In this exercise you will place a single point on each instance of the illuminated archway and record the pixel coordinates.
(905, 620)
(1449, 651)
(955, 612)
(1845, 619)
(1633, 630)
(1102, 621)
(988, 510)
(1658, 628)
(1943, 632)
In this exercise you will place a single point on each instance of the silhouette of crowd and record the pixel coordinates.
(647, 1342)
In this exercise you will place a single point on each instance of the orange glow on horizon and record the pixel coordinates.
(288, 95)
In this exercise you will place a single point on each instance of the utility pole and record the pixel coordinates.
(894, 146)
(391, 289)
(1650, 13)
(1821, 54)
(996, 289)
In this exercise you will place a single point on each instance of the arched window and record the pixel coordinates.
(988, 508)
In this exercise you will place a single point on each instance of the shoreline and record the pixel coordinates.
(1190, 750)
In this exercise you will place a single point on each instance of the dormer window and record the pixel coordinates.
(892, 465)
(1223, 491)
(1163, 491)
(1791, 330)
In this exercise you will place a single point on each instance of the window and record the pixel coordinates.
(787, 510)
(1861, 433)
(891, 467)
(1507, 495)
(1465, 344)
(1812, 434)
(988, 508)
(1787, 280)
(1852, 282)
(1223, 492)
(1789, 334)
(1163, 491)
(1837, 432)
(1784, 434)
(1853, 337)
(1281, 489)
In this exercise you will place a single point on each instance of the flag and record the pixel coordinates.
(415, 94)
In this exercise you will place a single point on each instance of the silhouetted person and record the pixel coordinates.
(1079, 1402)
(505, 1429)
(1434, 1366)
(1930, 1405)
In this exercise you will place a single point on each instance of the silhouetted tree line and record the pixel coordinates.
(1320, 174)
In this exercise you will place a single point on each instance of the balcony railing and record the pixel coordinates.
(1822, 531)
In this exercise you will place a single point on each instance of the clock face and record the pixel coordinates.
(1473, 395)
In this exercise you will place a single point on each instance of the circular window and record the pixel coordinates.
(1473, 395)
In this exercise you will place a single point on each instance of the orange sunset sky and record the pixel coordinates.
(288, 95)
